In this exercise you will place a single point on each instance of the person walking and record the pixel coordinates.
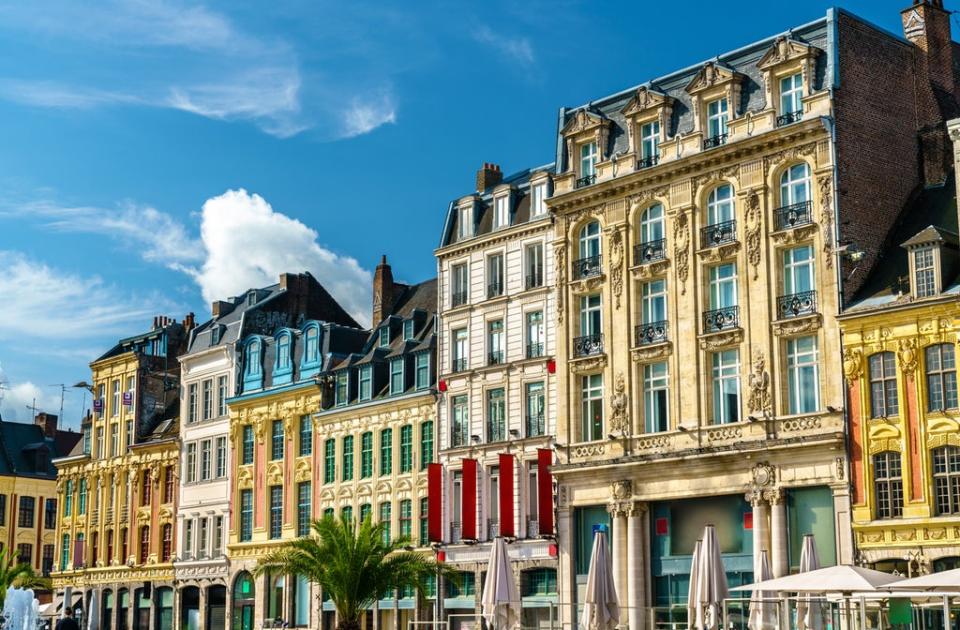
(67, 622)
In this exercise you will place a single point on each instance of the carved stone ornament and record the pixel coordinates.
(908, 355)
(715, 341)
(621, 490)
(797, 325)
(759, 382)
(826, 217)
(589, 450)
(561, 271)
(591, 364)
(587, 285)
(712, 255)
(762, 474)
(652, 352)
(616, 265)
(796, 235)
(651, 270)
(619, 418)
(852, 364)
(754, 225)
(681, 248)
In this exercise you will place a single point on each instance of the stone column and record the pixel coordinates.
(202, 625)
(566, 578)
(778, 534)
(618, 515)
(177, 608)
(636, 580)
(761, 510)
(152, 622)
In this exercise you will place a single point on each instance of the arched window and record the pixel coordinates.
(252, 360)
(883, 385)
(311, 350)
(244, 596)
(946, 479)
(941, 377)
(144, 543)
(720, 206)
(795, 185)
(888, 484)
(590, 240)
(283, 350)
(651, 224)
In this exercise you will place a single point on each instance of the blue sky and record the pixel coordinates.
(155, 155)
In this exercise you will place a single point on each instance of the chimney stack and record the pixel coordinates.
(189, 321)
(488, 177)
(927, 26)
(219, 307)
(382, 291)
(47, 422)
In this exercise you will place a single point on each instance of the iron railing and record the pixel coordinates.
(647, 162)
(721, 319)
(789, 118)
(535, 278)
(715, 141)
(536, 425)
(459, 365)
(589, 180)
(795, 215)
(650, 251)
(534, 350)
(495, 358)
(588, 345)
(797, 304)
(459, 298)
(648, 334)
(718, 233)
(587, 267)
(494, 289)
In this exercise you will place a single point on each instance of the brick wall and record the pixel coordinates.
(877, 147)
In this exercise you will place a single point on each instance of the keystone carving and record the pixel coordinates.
(621, 490)
(762, 474)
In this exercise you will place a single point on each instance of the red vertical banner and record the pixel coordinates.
(545, 490)
(469, 509)
(435, 502)
(506, 495)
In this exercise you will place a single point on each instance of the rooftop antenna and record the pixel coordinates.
(33, 407)
(63, 390)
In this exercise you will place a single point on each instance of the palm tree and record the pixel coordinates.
(18, 574)
(354, 564)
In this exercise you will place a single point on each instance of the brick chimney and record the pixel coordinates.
(47, 422)
(382, 291)
(219, 307)
(488, 177)
(189, 321)
(927, 26)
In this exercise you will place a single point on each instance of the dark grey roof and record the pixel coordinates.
(931, 234)
(25, 450)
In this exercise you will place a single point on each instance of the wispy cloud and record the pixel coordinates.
(516, 49)
(60, 95)
(363, 115)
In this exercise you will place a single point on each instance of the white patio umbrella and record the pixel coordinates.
(762, 611)
(501, 599)
(93, 613)
(694, 614)
(843, 578)
(809, 612)
(942, 581)
(601, 610)
(712, 579)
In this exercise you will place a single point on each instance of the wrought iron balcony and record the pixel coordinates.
(536, 425)
(789, 118)
(589, 180)
(587, 267)
(795, 215)
(495, 358)
(459, 298)
(588, 345)
(648, 334)
(721, 319)
(718, 234)
(494, 289)
(649, 252)
(534, 278)
(534, 350)
(715, 141)
(459, 365)
(647, 162)
(797, 305)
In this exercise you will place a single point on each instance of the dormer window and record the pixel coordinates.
(717, 120)
(251, 298)
(538, 196)
(408, 330)
(283, 351)
(342, 390)
(465, 222)
(588, 159)
(930, 252)
(215, 335)
(384, 340)
(501, 212)
(312, 345)
(253, 358)
(924, 273)
(791, 98)
(366, 382)
(650, 143)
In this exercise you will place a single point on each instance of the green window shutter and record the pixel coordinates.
(406, 448)
(366, 455)
(386, 452)
(348, 458)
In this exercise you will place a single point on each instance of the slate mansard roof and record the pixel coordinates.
(25, 450)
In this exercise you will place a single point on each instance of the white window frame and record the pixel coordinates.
(795, 184)
(652, 226)
(591, 315)
(653, 301)
(803, 367)
(501, 211)
(591, 393)
(924, 272)
(650, 139)
(588, 159)
(721, 206)
(791, 93)
(538, 197)
(799, 275)
(723, 277)
(717, 117)
(725, 370)
(656, 383)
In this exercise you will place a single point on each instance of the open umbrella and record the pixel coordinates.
(712, 579)
(501, 599)
(601, 610)
(809, 612)
(942, 581)
(843, 578)
(694, 614)
(762, 612)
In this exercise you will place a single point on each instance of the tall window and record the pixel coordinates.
(169, 484)
(461, 421)
(791, 94)
(406, 518)
(723, 286)
(306, 435)
(207, 399)
(115, 407)
(276, 512)
(923, 272)
(347, 465)
(538, 196)
(366, 382)
(64, 552)
(650, 141)
(465, 222)
(192, 402)
(459, 284)
(941, 377)
(366, 455)
(253, 358)
(535, 334)
(656, 384)
(100, 442)
(795, 185)
(495, 284)
(590, 240)
(283, 351)
(87, 440)
(798, 276)
(424, 522)
(386, 452)
(246, 515)
(422, 370)
(591, 318)
(883, 385)
(221, 457)
(385, 509)
(494, 501)
(726, 386)
(459, 349)
(247, 454)
(205, 460)
(651, 224)
(82, 494)
(166, 549)
(426, 444)
(329, 461)
(202, 537)
(495, 342)
(276, 440)
(536, 409)
(304, 508)
(946, 479)
(406, 448)
(342, 387)
(26, 512)
(888, 484)
(145, 489)
(501, 211)
(396, 376)
(533, 500)
(312, 347)
(144, 544)
(591, 397)
(803, 375)
(114, 439)
(720, 205)
(384, 336)
(365, 510)
(588, 159)
(653, 304)
(496, 415)
(67, 501)
(533, 259)
(50, 514)
(717, 118)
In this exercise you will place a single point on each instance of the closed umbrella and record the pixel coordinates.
(601, 610)
(712, 581)
(93, 612)
(762, 612)
(694, 614)
(809, 611)
(501, 599)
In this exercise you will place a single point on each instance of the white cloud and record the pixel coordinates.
(517, 49)
(60, 95)
(43, 303)
(15, 398)
(366, 114)
(248, 244)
